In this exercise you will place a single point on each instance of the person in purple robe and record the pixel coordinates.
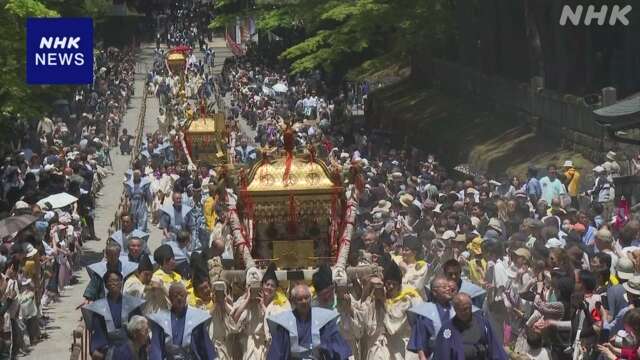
(468, 335)
(180, 333)
(107, 318)
(294, 336)
(427, 318)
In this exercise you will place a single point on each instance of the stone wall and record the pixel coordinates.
(564, 117)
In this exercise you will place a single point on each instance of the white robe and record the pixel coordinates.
(352, 327)
(255, 337)
(388, 330)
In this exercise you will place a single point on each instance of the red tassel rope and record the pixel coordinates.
(289, 144)
(245, 241)
(287, 169)
(334, 218)
(203, 109)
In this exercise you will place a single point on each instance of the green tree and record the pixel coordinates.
(341, 35)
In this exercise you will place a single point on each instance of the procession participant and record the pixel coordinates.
(135, 285)
(136, 248)
(305, 332)
(139, 197)
(216, 302)
(209, 207)
(161, 185)
(352, 317)
(412, 265)
(453, 270)
(107, 317)
(245, 153)
(181, 248)
(127, 230)
(167, 265)
(387, 323)
(181, 332)
(175, 217)
(136, 348)
(324, 290)
(95, 288)
(144, 286)
(430, 316)
(251, 315)
(468, 336)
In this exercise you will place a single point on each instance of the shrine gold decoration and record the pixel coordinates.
(293, 254)
(205, 137)
(176, 62)
(308, 182)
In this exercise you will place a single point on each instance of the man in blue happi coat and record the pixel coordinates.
(139, 195)
(175, 217)
(427, 318)
(107, 318)
(305, 332)
(468, 335)
(96, 288)
(126, 232)
(182, 331)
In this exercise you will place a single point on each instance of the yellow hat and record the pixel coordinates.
(475, 246)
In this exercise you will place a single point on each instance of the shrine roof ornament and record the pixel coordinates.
(305, 176)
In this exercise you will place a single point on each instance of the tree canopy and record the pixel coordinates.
(18, 100)
(341, 35)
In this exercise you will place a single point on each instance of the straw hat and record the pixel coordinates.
(406, 200)
(625, 269)
(382, 207)
(449, 235)
(633, 285)
(611, 156)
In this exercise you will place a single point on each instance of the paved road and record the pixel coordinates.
(64, 316)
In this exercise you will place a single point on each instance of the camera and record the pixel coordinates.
(378, 291)
(254, 291)
(219, 286)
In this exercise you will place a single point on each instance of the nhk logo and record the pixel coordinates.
(59, 50)
(575, 15)
(53, 58)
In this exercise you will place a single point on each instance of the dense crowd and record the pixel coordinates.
(49, 189)
(453, 266)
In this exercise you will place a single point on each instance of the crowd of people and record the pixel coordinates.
(449, 266)
(49, 187)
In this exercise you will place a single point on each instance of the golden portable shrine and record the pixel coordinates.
(176, 61)
(205, 139)
(293, 203)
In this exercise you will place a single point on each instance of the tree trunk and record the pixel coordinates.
(536, 63)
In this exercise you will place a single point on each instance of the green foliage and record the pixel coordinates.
(345, 33)
(18, 100)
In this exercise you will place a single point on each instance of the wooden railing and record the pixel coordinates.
(81, 338)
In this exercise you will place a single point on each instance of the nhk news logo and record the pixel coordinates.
(609, 15)
(59, 50)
